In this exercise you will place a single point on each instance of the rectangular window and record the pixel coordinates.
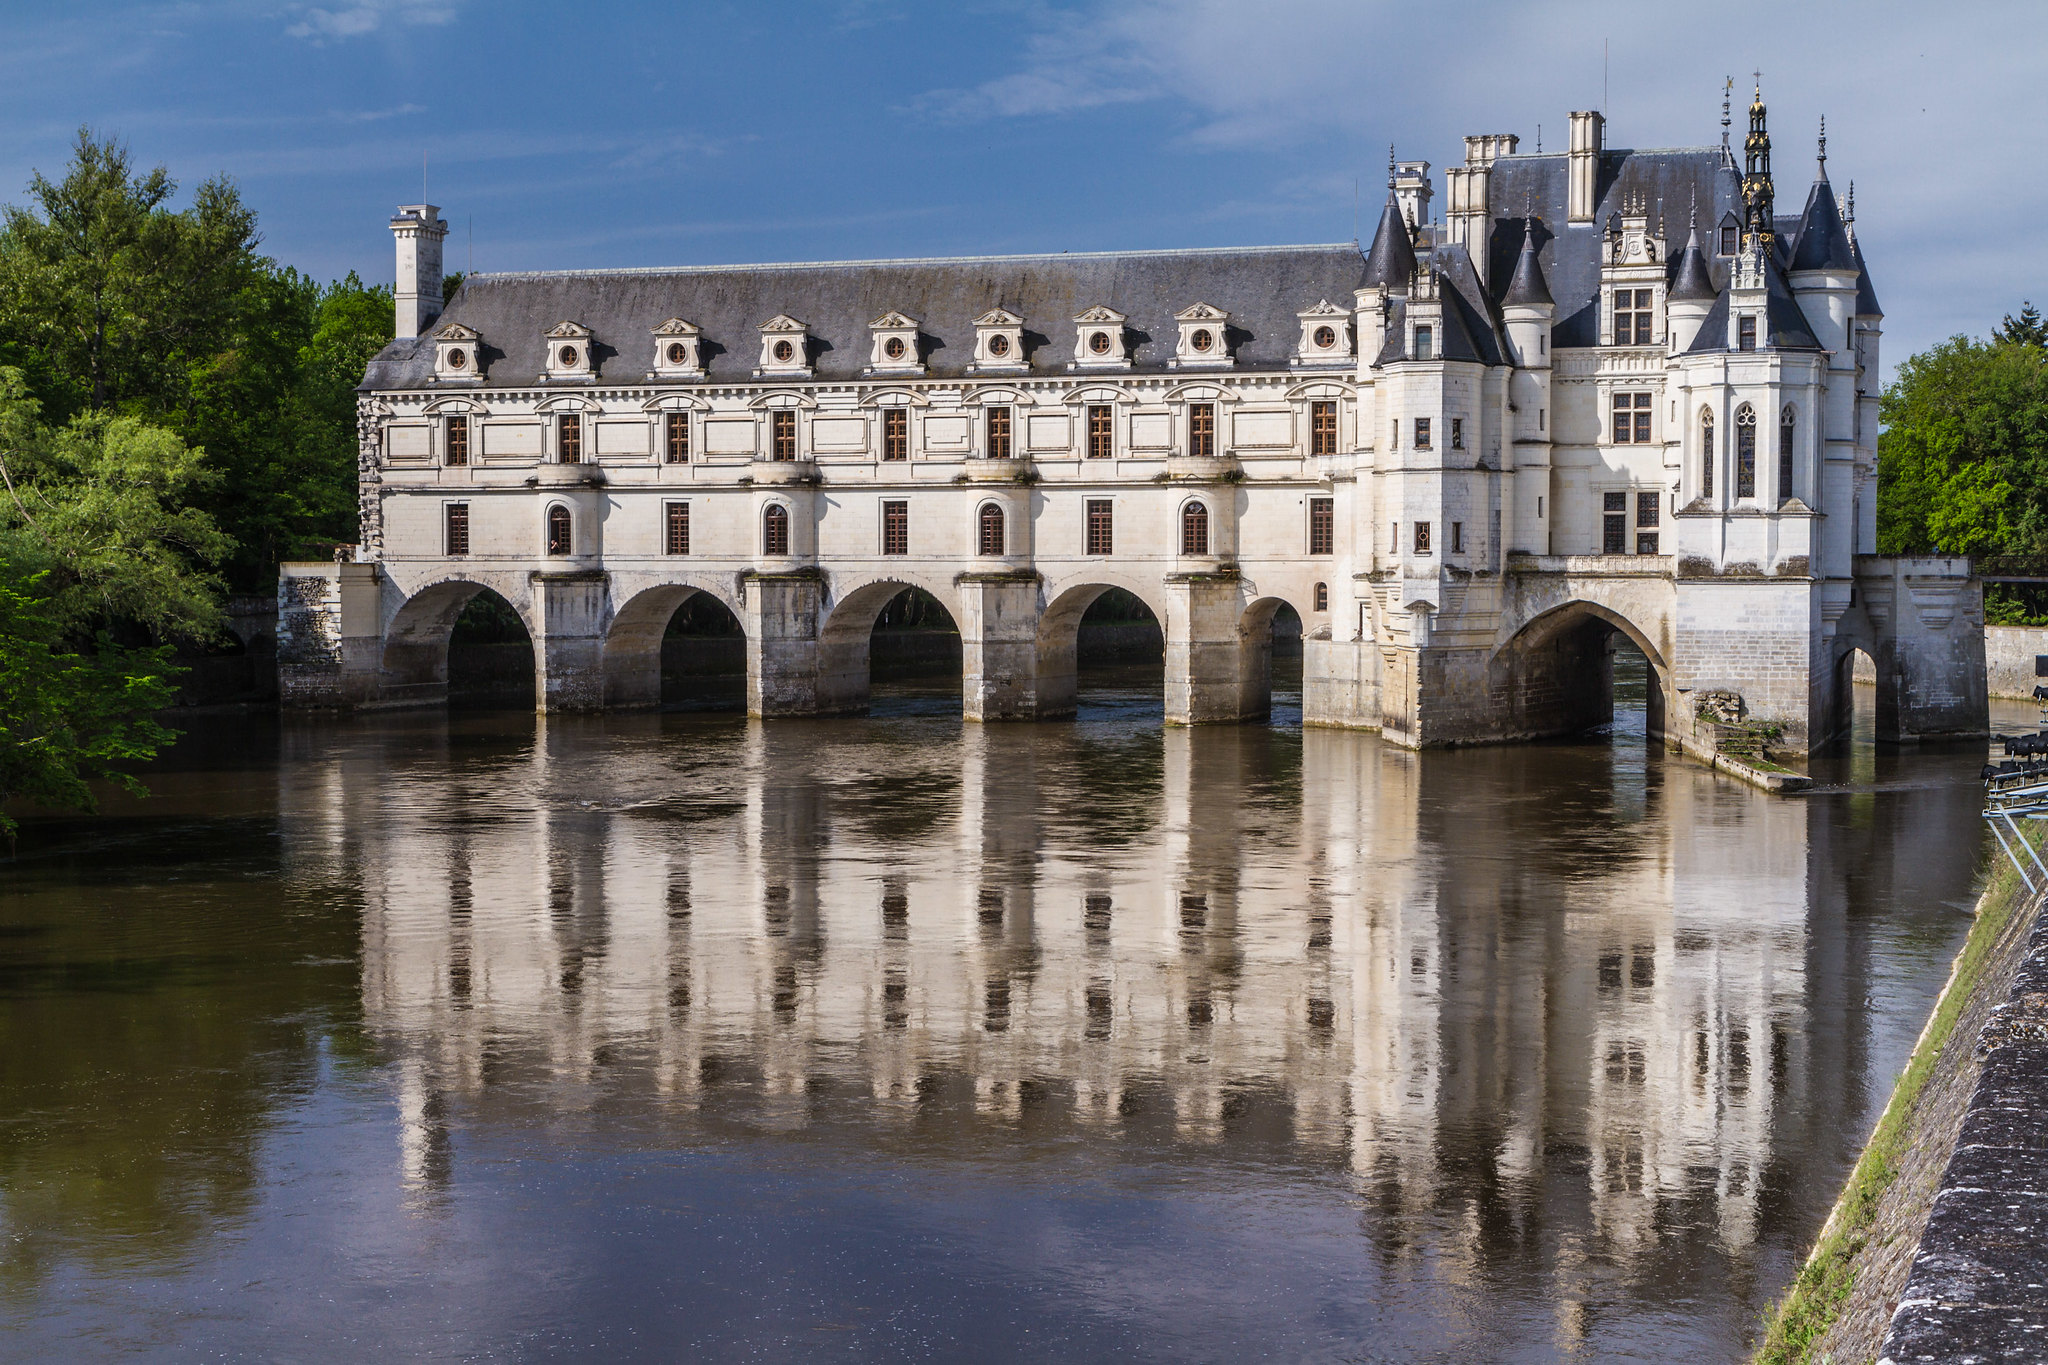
(1646, 542)
(1633, 309)
(569, 438)
(677, 539)
(1647, 510)
(895, 528)
(1396, 442)
(1393, 537)
(1422, 537)
(677, 451)
(1728, 239)
(1422, 435)
(1425, 343)
(458, 528)
(895, 433)
(1322, 526)
(1614, 523)
(1100, 540)
(458, 440)
(1785, 433)
(997, 421)
(1745, 333)
(1322, 427)
(782, 434)
(1202, 430)
(1632, 418)
(1457, 433)
(1101, 444)
(1457, 537)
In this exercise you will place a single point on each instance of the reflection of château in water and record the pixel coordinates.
(1473, 997)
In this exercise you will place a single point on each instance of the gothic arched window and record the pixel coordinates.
(989, 528)
(1787, 429)
(1706, 454)
(775, 530)
(1194, 529)
(1745, 451)
(559, 529)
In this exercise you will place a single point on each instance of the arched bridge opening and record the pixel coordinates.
(1103, 644)
(903, 632)
(1577, 668)
(676, 645)
(461, 641)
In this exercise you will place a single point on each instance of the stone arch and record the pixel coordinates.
(415, 661)
(848, 623)
(632, 640)
(1059, 632)
(1554, 676)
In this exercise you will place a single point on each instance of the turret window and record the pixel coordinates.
(1425, 343)
(775, 530)
(1632, 314)
(989, 530)
(1422, 537)
(1457, 433)
(1322, 427)
(1322, 597)
(1745, 332)
(559, 531)
(1706, 454)
(1422, 433)
(1786, 432)
(1194, 529)
(1631, 418)
(1745, 451)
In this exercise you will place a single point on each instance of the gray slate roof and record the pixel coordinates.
(1262, 288)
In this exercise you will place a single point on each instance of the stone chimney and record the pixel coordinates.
(419, 231)
(1588, 131)
(1466, 188)
(1411, 187)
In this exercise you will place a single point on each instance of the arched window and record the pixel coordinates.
(1745, 451)
(1787, 429)
(1194, 529)
(1322, 597)
(1706, 454)
(559, 529)
(775, 530)
(989, 529)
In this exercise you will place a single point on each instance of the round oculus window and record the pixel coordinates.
(677, 353)
(568, 355)
(893, 348)
(1202, 340)
(784, 352)
(457, 358)
(1099, 343)
(1325, 338)
(998, 345)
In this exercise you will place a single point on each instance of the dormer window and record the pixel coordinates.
(1634, 313)
(1100, 341)
(1425, 343)
(568, 352)
(1325, 335)
(894, 349)
(785, 347)
(998, 341)
(455, 353)
(1745, 332)
(1204, 338)
(677, 350)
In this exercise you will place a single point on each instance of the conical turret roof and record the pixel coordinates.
(1823, 241)
(1528, 287)
(1391, 262)
(1694, 282)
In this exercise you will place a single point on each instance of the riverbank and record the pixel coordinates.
(1841, 1303)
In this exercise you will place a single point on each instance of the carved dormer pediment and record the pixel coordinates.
(1204, 336)
(785, 347)
(457, 353)
(1100, 341)
(894, 348)
(678, 350)
(1326, 335)
(568, 353)
(998, 342)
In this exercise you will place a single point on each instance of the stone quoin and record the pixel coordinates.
(1611, 392)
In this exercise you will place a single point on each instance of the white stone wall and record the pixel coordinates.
(2009, 654)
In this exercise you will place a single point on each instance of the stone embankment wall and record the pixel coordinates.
(2009, 653)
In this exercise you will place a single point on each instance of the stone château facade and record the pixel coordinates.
(1610, 391)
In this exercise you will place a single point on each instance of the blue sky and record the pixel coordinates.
(606, 135)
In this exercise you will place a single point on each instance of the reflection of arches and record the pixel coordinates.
(844, 635)
(1059, 632)
(1556, 676)
(415, 660)
(632, 645)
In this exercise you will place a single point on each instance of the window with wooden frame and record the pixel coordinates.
(676, 533)
(1745, 332)
(1631, 419)
(1614, 523)
(989, 529)
(1706, 454)
(1647, 517)
(569, 438)
(775, 529)
(1322, 597)
(782, 434)
(457, 521)
(895, 433)
(1633, 310)
(996, 423)
(455, 445)
(1194, 529)
(1745, 451)
(1101, 437)
(1322, 526)
(1202, 430)
(1322, 427)
(676, 428)
(1101, 540)
(1786, 431)
(1728, 239)
(560, 531)
(1422, 537)
(895, 528)
(1423, 435)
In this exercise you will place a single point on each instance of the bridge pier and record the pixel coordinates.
(999, 663)
(569, 611)
(1215, 673)
(782, 612)
(330, 636)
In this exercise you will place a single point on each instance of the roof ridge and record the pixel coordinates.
(905, 260)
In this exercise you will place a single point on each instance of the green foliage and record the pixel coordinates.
(2025, 330)
(68, 719)
(1964, 453)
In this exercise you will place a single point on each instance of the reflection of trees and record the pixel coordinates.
(149, 1035)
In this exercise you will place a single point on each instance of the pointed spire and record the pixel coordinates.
(1528, 287)
(1822, 172)
(1693, 283)
(1849, 215)
(1759, 222)
(1390, 262)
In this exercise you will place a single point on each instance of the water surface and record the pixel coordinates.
(680, 1036)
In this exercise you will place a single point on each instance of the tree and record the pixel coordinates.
(2025, 330)
(1963, 457)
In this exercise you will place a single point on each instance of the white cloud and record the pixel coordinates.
(367, 16)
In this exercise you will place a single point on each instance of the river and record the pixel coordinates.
(678, 1036)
